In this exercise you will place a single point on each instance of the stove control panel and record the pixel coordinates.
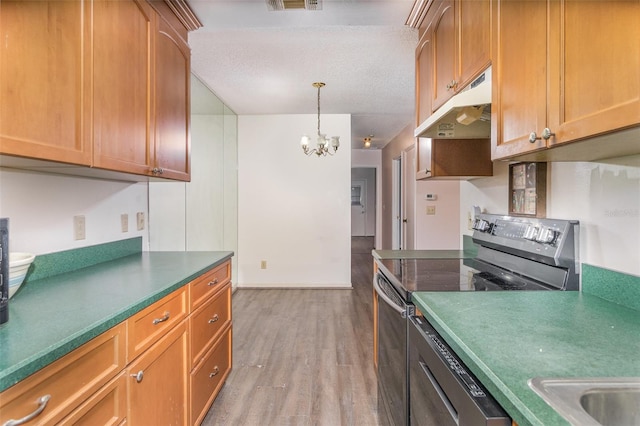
(541, 239)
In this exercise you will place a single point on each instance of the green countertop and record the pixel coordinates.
(50, 317)
(506, 338)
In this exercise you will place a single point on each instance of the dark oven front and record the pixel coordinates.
(392, 352)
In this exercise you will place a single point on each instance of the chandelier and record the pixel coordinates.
(324, 145)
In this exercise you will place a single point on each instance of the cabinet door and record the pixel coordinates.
(594, 68)
(424, 66)
(519, 76)
(45, 69)
(444, 53)
(474, 32)
(122, 32)
(158, 381)
(172, 104)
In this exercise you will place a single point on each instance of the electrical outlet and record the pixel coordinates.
(140, 220)
(263, 264)
(79, 230)
(124, 222)
(431, 210)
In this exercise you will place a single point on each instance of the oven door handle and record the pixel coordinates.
(399, 309)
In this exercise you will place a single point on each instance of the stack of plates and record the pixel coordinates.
(18, 266)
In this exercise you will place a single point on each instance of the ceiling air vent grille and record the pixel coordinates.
(294, 4)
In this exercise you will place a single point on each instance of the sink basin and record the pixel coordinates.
(611, 401)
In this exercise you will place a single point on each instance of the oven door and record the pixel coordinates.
(392, 352)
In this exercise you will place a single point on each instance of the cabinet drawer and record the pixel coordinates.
(208, 283)
(108, 406)
(207, 321)
(209, 376)
(68, 380)
(148, 325)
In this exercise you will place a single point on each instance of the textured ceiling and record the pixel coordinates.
(262, 62)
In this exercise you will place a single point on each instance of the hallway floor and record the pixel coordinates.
(303, 357)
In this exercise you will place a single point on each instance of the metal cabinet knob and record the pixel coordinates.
(42, 404)
(546, 135)
(213, 282)
(214, 319)
(452, 85)
(157, 170)
(138, 376)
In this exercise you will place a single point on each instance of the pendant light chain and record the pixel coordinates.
(319, 86)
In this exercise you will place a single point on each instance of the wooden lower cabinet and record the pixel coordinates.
(157, 387)
(163, 366)
(63, 385)
(108, 406)
(208, 376)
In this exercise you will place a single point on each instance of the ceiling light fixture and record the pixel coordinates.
(322, 142)
(367, 141)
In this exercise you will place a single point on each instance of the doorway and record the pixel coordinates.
(363, 207)
(403, 200)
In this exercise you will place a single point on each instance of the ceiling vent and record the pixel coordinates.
(294, 4)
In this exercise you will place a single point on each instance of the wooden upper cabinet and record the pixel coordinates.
(519, 75)
(123, 74)
(45, 80)
(454, 48)
(98, 83)
(444, 53)
(594, 68)
(172, 104)
(571, 68)
(474, 40)
(424, 65)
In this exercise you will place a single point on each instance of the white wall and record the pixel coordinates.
(293, 210)
(439, 231)
(603, 196)
(372, 158)
(41, 208)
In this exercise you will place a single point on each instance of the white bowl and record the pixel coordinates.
(18, 266)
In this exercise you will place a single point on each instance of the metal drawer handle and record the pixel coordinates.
(214, 319)
(216, 370)
(139, 376)
(42, 404)
(213, 282)
(163, 319)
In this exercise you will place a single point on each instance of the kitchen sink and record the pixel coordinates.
(592, 401)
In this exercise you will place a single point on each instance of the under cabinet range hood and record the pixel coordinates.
(466, 115)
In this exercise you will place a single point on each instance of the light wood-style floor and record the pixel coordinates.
(303, 357)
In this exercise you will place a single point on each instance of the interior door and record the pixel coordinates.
(358, 208)
(408, 192)
(396, 207)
